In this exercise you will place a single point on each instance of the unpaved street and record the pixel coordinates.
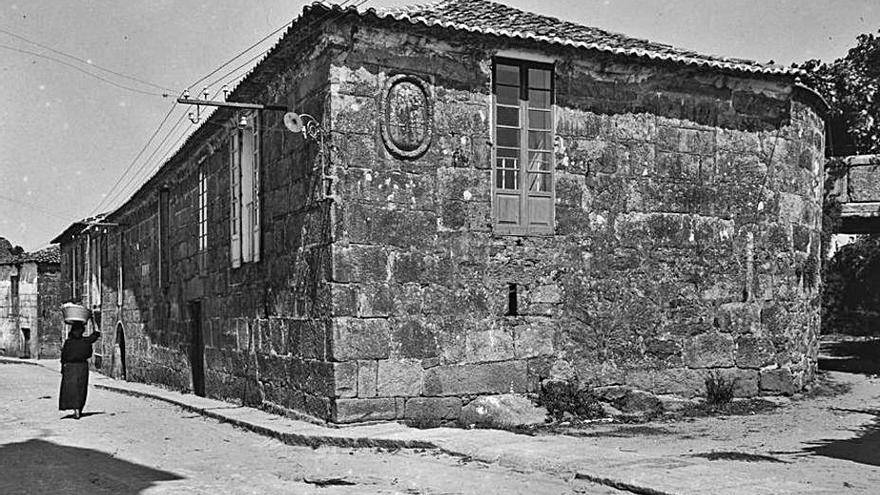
(127, 445)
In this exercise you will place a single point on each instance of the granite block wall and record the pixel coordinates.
(686, 237)
(265, 325)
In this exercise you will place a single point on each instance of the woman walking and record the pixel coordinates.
(74, 364)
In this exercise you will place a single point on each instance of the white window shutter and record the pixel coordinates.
(247, 190)
(235, 198)
(256, 191)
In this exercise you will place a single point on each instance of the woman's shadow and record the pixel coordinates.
(83, 415)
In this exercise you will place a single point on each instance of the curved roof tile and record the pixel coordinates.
(487, 17)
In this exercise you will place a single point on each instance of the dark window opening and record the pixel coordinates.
(511, 300)
(13, 295)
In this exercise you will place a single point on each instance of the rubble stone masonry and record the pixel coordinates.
(686, 238)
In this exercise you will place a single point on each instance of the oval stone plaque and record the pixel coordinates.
(408, 117)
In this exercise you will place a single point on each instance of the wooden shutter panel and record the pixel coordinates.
(255, 243)
(540, 214)
(234, 199)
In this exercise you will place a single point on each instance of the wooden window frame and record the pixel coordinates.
(524, 226)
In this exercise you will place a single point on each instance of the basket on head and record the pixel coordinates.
(75, 313)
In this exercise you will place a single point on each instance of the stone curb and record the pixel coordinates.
(296, 439)
(9, 360)
(315, 441)
(620, 485)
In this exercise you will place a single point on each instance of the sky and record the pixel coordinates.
(72, 145)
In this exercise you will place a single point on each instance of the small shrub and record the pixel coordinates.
(719, 390)
(561, 397)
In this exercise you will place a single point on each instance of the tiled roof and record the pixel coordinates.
(77, 227)
(51, 254)
(484, 16)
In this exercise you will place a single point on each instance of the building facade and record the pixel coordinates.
(492, 199)
(30, 314)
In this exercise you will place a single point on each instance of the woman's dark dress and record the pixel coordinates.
(75, 371)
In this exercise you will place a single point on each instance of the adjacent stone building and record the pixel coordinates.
(491, 198)
(30, 314)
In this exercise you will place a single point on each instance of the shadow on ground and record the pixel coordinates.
(84, 415)
(864, 448)
(860, 356)
(855, 356)
(39, 466)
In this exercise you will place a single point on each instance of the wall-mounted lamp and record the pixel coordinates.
(242, 122)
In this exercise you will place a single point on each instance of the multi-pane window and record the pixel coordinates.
(203, 217)
(244, 183)
(523, 183)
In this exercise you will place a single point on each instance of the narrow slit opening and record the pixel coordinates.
(511, 300)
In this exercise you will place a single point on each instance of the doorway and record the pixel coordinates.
(119, 366)
(197, 348)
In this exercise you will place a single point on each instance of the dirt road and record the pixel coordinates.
(127, 445)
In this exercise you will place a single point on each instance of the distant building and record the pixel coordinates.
(30, 314)
(493, 198)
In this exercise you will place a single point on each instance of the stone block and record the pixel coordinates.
(374, 300)
(413, 338)
(634, 127)
(745, 381)
(710, 350)
(419, 408)
(345, 378)
(358, 82)
(754, 352)
(502, 411)
(367, 378)
(495, 344)
(356, 338)
(700, 142)
(677, 165)
(679, 381)
(739, 318)
(637, 401)
(359, 263)
(532, 340)
(399, 378)
(344, 299)
(777, 380)
(359, 410)
(862, 183)
(486, 378)
(546, 294)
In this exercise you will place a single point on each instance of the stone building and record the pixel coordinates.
(30, 315)
(491, 198)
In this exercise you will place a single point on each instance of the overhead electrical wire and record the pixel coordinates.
(80, 69)
(87, 62)
(34, 207)
(158, 147)
(117, 194)
(139, 154)
(147, 160)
